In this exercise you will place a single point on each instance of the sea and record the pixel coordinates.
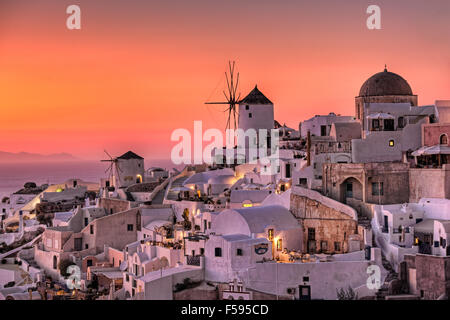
(14, 175)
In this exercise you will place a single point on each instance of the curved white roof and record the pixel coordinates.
(283, 199)
(258, 218)
(254, 220)
(203, 177)
(222, 179)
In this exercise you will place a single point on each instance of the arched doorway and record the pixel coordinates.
(443, 139)
(351, 188)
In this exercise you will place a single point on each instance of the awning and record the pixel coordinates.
(380, 115)
(436, 149)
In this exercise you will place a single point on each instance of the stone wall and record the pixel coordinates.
(432, 132)
(332, 222)
(114, 205)
(393, 175)
(432, 275)
(429, 183)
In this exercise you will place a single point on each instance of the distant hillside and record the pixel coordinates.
(34, 157)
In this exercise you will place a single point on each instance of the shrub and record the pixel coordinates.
(348, 294)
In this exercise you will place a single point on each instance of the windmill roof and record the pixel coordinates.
(256, 97)
(129, 155)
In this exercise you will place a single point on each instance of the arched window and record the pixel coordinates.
(443, 139)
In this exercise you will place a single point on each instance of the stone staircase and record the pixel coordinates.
(392, 275)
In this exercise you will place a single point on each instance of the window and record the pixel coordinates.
(377, 188)
(86, 246)
(388, 124)
(337, 246)
(218, 252)
(279, 245)
(239, 252)
(375, 124)
(92, 229)
(86, 222)
(311, 234)
(89, 263)
(323, 246)
(323, 130)
(270, 234)
(129, 227)
(401, 122)
(302, 181)
(202, 251)
(247, 107)
(305, 279)
(250, 115)
(127, 278)
(443, 139)
(55, 262)
(391, 143)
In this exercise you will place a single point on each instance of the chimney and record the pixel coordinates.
(20, 222)
(308, 149)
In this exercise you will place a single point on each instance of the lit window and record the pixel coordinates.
(270, 234)
(279, 245)
(391, 143)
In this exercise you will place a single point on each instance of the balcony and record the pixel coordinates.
(193, 260)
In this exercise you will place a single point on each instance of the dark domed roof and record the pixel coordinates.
(385, 84)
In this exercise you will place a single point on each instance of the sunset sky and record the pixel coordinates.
(137, 70)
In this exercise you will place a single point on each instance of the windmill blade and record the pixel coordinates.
(109, 168)
(235, 88)
(226, 97)
(108, 154)
(118, 167)
(228, 121)
(228, 85)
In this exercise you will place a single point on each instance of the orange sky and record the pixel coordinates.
(137, 70)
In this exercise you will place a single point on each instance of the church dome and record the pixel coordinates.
(385, 84)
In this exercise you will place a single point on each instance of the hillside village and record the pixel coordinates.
(357, 208)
